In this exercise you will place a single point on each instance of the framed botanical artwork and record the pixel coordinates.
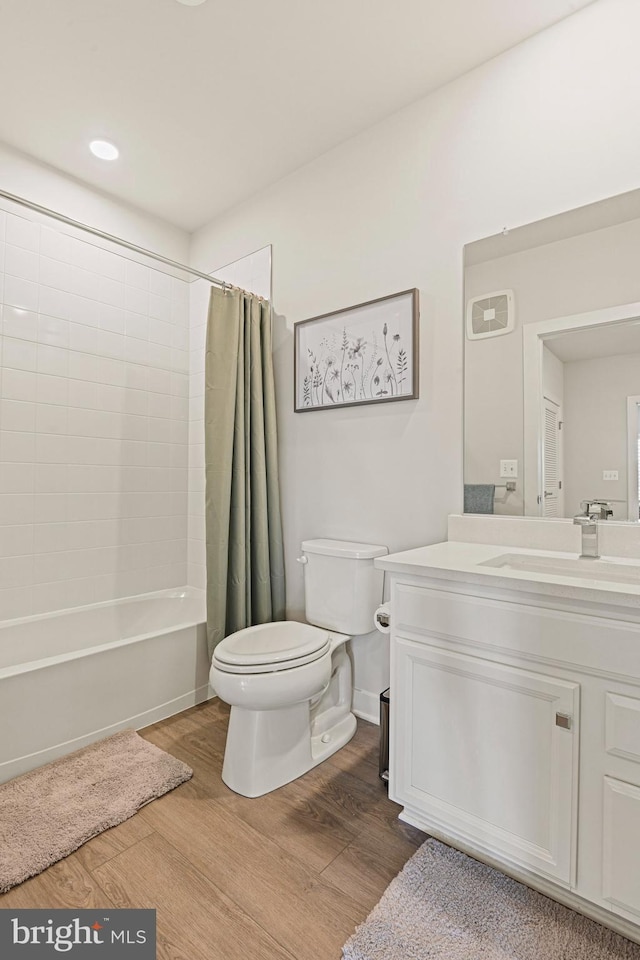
(362, 354)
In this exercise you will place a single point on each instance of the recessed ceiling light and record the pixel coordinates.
(104, 149)
(191, 3)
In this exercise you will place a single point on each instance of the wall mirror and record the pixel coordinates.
(552, 365)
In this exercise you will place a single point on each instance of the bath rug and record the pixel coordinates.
(49, 812)
(446, 906)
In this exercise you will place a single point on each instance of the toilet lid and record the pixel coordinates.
(270, 644)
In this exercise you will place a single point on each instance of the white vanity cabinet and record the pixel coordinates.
(515, 731)
(487, 755)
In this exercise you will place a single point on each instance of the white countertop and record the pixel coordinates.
(459, 561)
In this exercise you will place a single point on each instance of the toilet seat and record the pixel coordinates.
(271, 647)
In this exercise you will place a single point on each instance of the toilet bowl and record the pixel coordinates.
(289, 683)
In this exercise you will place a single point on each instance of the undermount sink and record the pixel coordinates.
(615, 570)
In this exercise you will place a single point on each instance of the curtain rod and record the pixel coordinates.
(109, 236)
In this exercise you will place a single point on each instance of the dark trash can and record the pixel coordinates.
(384, 735)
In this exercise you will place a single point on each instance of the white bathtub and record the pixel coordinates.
(75, 676)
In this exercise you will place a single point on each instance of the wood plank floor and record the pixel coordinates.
(287, 876)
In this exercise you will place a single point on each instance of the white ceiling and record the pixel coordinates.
(211, 103)
(612, 340)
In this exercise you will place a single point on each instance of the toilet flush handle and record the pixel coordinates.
(302, 560)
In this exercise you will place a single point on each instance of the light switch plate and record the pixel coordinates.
(508, 468)
(609, 474)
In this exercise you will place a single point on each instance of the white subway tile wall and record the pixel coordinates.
(250, 273)
(94, 422)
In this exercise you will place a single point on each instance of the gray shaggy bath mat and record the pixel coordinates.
(446, 906)
(48, 813)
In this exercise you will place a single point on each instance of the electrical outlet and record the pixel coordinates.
(609, 474)
(508, 468)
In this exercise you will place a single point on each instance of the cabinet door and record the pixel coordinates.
(621, 876)
(487, 753)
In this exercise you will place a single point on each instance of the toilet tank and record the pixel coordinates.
(342, 587)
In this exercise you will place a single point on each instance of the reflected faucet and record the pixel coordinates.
(597, 509)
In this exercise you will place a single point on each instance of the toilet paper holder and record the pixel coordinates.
(382, 618)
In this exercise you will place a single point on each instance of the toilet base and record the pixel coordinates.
(268, 748)
(324, 745)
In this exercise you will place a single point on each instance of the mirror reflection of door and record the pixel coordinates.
(551, 499)
(633, 457)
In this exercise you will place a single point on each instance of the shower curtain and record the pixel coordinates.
(244, 551)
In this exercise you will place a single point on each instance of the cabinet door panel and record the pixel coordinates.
(482, 752)
(621, 874)
(622, 719)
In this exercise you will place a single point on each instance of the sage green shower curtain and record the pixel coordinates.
(245, 561)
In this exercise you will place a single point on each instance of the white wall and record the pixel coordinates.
(552, 377)
(494, 411)
(94, 412)
(545, 127)
(595, 415)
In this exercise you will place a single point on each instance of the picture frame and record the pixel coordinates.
(363, 354)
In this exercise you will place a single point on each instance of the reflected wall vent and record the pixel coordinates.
(490, 315)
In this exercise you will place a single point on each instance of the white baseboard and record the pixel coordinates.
(366, 705)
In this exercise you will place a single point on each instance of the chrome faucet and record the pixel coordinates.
(589, 546)
(593, 510)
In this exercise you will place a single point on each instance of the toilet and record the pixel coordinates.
(289, 683)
